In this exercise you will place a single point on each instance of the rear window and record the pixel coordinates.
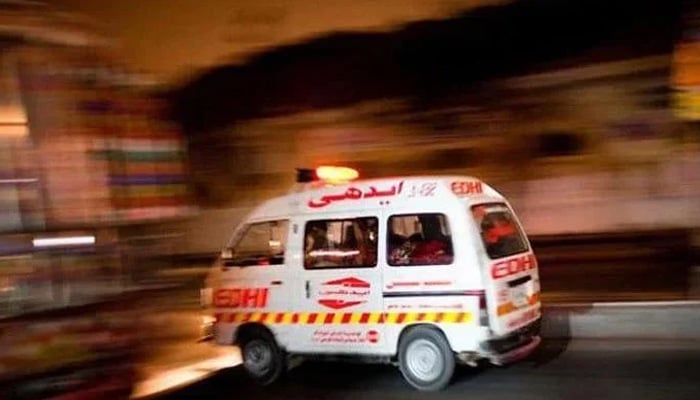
(500, 232)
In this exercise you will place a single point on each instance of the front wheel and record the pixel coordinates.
(263, 360)
(426, 360)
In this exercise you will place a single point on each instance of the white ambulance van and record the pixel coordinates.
(423, 272)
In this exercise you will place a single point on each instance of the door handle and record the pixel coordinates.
(277, 283)
(308, 290)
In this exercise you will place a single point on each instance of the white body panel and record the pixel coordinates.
(331, 293)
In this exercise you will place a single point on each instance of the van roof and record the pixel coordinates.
(378, 193)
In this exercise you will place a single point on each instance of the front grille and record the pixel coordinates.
(514, 339)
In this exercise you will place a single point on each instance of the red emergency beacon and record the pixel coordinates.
(325, 175)
(336, 175)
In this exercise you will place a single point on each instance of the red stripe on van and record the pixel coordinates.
(312, 318)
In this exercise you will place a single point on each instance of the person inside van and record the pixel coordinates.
(365, 234)
(427, 246)
(316, 239)
(434, 248)
(352, 241)
(430, 252)
(317, 236)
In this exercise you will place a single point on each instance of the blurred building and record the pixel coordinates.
(568, 109)
(200, 35)
(86, 153)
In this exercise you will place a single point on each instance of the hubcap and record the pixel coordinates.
(257, 357)
(424, 361)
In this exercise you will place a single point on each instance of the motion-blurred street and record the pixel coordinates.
(575, 370)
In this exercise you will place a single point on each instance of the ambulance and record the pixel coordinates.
(422, 272)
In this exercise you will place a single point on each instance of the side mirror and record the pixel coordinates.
(227, 257)
(226, 254)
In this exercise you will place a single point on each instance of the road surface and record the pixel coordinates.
(561, 370)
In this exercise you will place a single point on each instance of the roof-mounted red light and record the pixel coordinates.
(336, 175)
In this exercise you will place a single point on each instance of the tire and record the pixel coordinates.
(263, 360)
(426, 360)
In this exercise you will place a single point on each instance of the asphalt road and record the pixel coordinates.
(560, 370)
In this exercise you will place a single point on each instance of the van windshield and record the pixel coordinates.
(500, 232)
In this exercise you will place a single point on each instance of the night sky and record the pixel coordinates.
(232, 60)
(428, 60)
(171, 38)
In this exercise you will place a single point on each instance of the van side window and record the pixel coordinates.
(341, 243)
(262, 243)
(419, 239)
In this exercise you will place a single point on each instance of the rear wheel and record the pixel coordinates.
(263, 360)
(426, 360)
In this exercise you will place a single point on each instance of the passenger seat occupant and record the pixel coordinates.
(316, 239)
(366, 236)
(317, 236)
(431, 252)
(435, 249)
(360, 237)
(428, 246)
